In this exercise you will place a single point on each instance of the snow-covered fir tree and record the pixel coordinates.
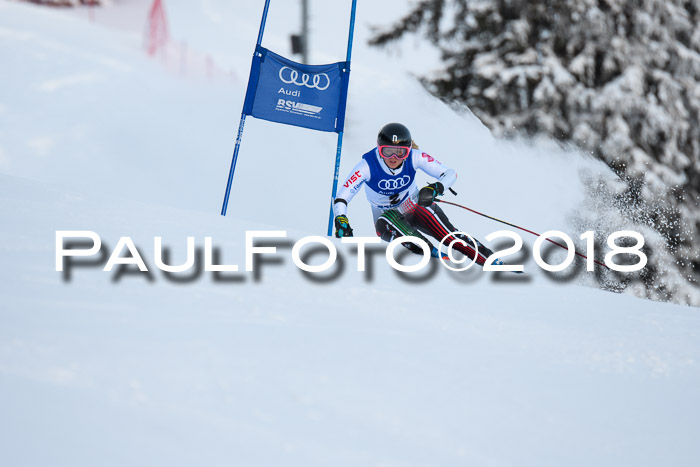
(619, 78)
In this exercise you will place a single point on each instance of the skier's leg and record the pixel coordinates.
(391, 224)
(433, 221)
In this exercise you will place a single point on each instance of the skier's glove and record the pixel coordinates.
(427, 195)
(342, 227)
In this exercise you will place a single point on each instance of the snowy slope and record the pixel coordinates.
(277, 369)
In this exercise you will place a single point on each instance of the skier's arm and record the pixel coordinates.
(434, 168)
(349, 188)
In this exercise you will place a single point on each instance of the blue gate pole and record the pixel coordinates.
(242, 123)
(335, 182)
(340, 135)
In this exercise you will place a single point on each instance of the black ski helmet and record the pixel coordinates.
(394, 134)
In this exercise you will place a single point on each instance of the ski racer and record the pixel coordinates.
(388, 173)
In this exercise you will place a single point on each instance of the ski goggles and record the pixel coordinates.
(399, 152)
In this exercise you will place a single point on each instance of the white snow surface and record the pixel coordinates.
(274, 368)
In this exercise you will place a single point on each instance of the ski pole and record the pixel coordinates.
(521, 228)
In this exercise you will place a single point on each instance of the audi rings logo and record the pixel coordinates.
(394, 184)
(320, 81)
